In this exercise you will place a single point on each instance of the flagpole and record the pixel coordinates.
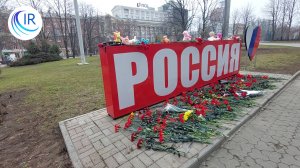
(79, 34)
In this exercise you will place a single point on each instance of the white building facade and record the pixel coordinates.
(147, 22)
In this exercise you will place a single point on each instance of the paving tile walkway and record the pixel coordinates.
(270, 140)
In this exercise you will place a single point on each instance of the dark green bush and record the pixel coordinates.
(36, 59)
(45, 46)
(54, 49)
(32, 48)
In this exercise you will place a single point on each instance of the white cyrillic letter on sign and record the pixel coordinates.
(223, 59)
(209, 50)
(185, 66)
(169, 57)
(235, 57)
(125, 77)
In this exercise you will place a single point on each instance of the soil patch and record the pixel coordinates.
(22, 143)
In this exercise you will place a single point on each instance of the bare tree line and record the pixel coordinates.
(198, 16)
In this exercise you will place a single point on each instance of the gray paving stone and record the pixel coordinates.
(145, 159)
(270, 139)
(96, 158)
(120, 158)
(126, 165)
(111, 162)
(137, 163)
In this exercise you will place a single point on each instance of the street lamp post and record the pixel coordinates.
(79, 33)
(226, 18)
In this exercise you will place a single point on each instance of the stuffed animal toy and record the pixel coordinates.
(125, 40)
(165, 39)
(186, 36)
(211, 36)
(132, 41)
(145, 41)
(219, 36)
(117, 37)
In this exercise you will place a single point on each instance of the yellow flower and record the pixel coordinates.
(131, 115)
(187, 115)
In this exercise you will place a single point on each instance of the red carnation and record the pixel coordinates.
(181, 117)
(249, 76)
(265, 77)
(161, 136)
(140, 129)
(149, 113)
(254, 80)
(117, 127)
(139, 143)
(239, 75)
(195, 94)
(154, 129)
(127, 124)
(191, 102)
(244, 94)
(248, 84)
(229, 108)
(133, 135)
(226, 102)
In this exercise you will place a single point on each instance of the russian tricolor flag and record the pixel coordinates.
(252, 38)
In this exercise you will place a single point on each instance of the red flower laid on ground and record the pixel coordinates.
(154, 129)
(139, 143)
(229, 108)
(244, 94)
(240, 76)
(215, 102)
(254, 80)
(249, 76)
(161, 136)
(226, 102)
(117, 127)
(127, 124)
(265, 77)
(181, 117)
(248, 84)
(140, 129)
(133, 135)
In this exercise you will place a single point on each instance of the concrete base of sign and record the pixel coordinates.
(91, 141)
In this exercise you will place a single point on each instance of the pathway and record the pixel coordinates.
(270, 140)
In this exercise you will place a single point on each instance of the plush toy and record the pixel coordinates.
(145, 41)
(125, 40)
(132, 41)
(186, 36)
(212, 36)
(165, 39)
(117, 37)
(219, 36)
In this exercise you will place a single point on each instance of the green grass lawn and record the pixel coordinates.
(57, 90)
(274, 59)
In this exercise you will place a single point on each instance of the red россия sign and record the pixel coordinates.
(137, 76)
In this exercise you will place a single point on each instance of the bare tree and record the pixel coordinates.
(291, 4)
(206, 8)
(2, 3)
(36, 4)
(235, 20)
(247, 15)
(90, 21)
(273, 9)
(61, 9)
(283, 17)
(73, 36)
(181, 15)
